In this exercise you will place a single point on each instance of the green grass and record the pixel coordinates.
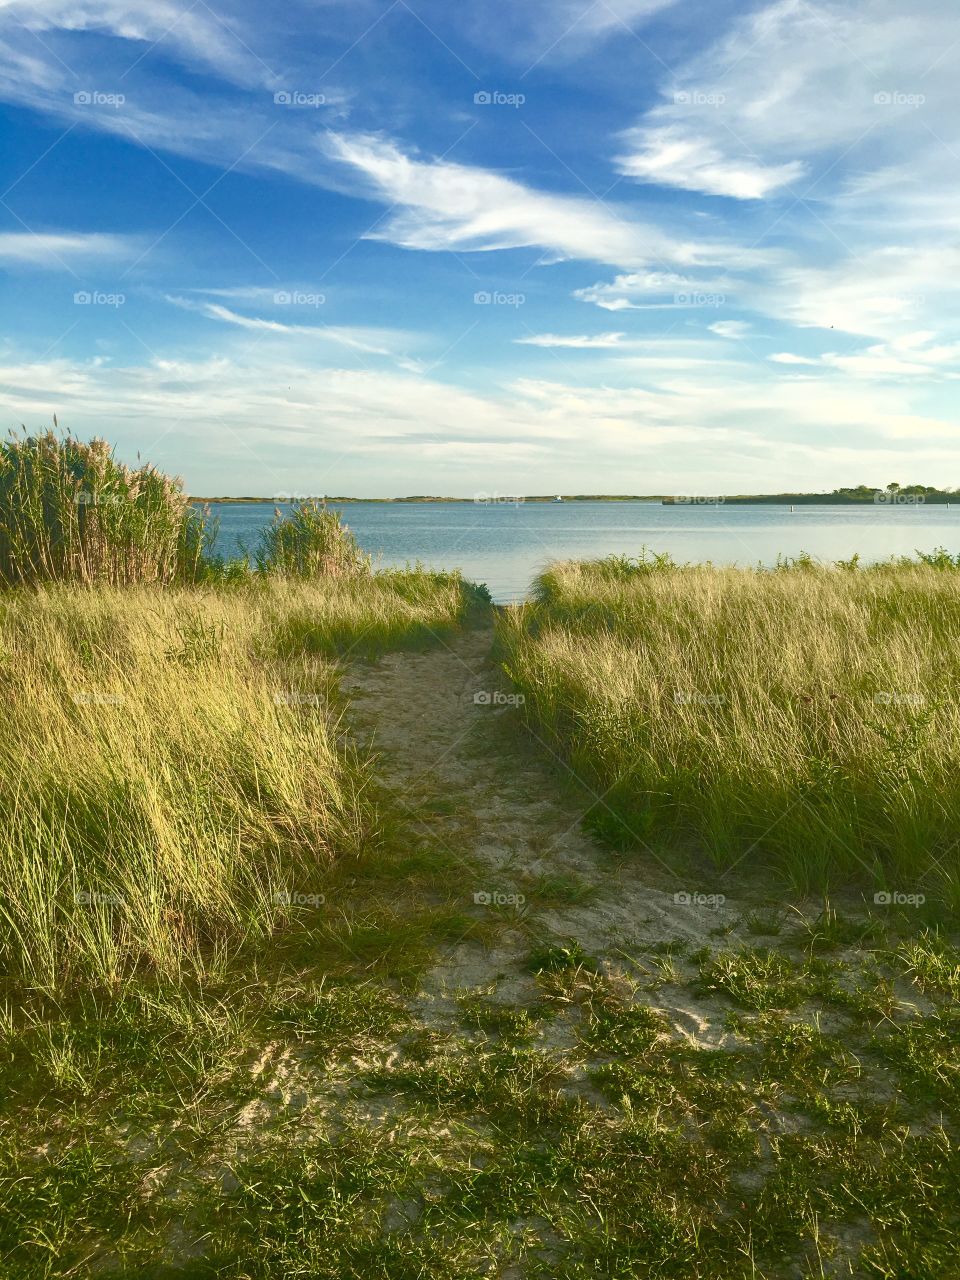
(69, 512)
(818, 1140)
(803, 720)
(172, 767)
(222, 1051)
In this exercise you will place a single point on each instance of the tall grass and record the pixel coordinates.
(69, 512)
(309, 541)
(806, 719)
(171, 766)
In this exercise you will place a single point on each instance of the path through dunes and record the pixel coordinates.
(449, 742)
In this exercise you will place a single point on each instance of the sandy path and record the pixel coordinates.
(501, 801)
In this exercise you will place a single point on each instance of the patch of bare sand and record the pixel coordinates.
(443, 738)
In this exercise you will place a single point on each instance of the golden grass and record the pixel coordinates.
(170, 765)
(807, 719)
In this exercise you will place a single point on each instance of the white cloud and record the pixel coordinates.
(193, 33)
(275, 413)
(551, 31)
(62, 249)
(882, 291)
(446, 206)
(803, 81)
(904, 357)
(671, 157)
(649, 290)
(266, 295)
(734, 329)
(367, 341)
(596, 341)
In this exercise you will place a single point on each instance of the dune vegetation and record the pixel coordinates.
(308, 967)
(171, 763)
(805, 719)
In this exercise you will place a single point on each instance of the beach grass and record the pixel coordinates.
(805, 720)
(173, 768)
(231, 1043)
(70, 512)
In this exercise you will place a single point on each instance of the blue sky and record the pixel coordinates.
(383, 247)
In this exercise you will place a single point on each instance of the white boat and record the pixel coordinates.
(558, 498)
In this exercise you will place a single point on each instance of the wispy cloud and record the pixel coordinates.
(367, 341)
(734, 329)
(584, 342)
(446, 206)
(671, 157)
(255, 414)
(793, 86)
(57, 249)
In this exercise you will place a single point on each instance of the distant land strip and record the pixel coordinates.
(862, 495)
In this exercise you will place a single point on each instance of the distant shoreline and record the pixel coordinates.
(873, 498)
(490, 500)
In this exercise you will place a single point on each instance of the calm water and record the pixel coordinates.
(506, 545)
